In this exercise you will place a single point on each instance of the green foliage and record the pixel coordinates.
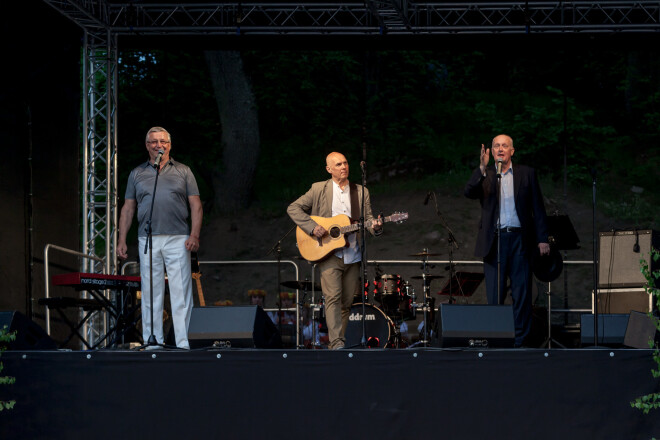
(431, 109)
(6, 380)
(652, 400)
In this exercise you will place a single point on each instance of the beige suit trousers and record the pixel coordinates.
(340, 283)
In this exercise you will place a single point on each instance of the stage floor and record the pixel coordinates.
(364, 393)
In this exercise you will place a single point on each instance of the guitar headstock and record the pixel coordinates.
(194, 263)
(398, 217)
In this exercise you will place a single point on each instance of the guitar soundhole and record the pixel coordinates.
(334, 232)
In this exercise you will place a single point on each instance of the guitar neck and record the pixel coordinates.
(197, 276)
(355, 226)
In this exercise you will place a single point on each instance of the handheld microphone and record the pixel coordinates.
(157, 161)
(426, 199)
(498, 165)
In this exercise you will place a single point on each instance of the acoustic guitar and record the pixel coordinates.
(316, 249)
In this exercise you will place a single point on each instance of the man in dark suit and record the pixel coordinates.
(519, 214)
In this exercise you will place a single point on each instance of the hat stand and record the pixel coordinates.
(562, 236)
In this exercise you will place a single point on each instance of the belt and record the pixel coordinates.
(511, 229)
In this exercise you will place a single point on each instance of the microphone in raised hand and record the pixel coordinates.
(158, 158)
(498, 165)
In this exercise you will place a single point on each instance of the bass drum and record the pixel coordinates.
(379, 327)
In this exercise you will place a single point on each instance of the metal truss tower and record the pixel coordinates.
(99, 231)
(100, 150)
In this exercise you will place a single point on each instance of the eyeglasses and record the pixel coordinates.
(156, 142)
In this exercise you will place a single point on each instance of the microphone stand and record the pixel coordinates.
(451, 241)
(277, 247)
(499, 233)
(363, 249)
(148, 245)
(595, 256)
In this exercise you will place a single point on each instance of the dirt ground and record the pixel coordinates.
(239, 253)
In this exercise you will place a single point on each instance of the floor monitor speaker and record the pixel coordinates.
(29, 335)
(611, 329)
(232, 326)
(475, 325)
(640, 330)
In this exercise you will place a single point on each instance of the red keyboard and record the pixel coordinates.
(98, 281)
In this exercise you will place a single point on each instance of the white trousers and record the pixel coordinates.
(168, 254)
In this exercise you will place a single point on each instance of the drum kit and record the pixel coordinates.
(397, 303)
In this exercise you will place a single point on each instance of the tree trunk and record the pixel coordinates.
(232, 180)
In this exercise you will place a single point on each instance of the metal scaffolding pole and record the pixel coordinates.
(99, 220)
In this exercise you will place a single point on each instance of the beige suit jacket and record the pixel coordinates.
(318, 201)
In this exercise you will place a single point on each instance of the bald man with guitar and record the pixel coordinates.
(339, 264)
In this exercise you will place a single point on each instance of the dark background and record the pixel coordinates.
(40, 173)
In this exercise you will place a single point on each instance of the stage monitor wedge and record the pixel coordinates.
(232, 327)
(475, 326)
(640, 331)
(29, 335)
(611, 329)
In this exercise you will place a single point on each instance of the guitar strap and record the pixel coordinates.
(355, 203)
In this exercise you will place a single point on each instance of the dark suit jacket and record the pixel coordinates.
(529, 206)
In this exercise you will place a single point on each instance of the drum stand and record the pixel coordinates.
(277, 247)
(426, 289)
(316, 322)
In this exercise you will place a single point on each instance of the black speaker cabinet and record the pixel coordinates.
(234, 326)
(475, 325)
(640, 330)
(611, 329)
(619, 255)
(29, 336)
(623, 300)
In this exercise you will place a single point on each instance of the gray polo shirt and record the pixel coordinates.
(175, 183)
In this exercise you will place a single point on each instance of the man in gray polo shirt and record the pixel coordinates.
(172, 240)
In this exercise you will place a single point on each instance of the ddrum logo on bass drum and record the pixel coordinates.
(357, 316)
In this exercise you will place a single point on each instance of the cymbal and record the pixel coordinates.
(428, 277)
(423, 254)
(302, 285)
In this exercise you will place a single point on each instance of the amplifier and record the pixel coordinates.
(623, 300)
(619, 255)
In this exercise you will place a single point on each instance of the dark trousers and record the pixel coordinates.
(515, 265)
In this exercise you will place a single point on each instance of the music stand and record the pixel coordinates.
(462, 284)
(561, 230)
(562, 236)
